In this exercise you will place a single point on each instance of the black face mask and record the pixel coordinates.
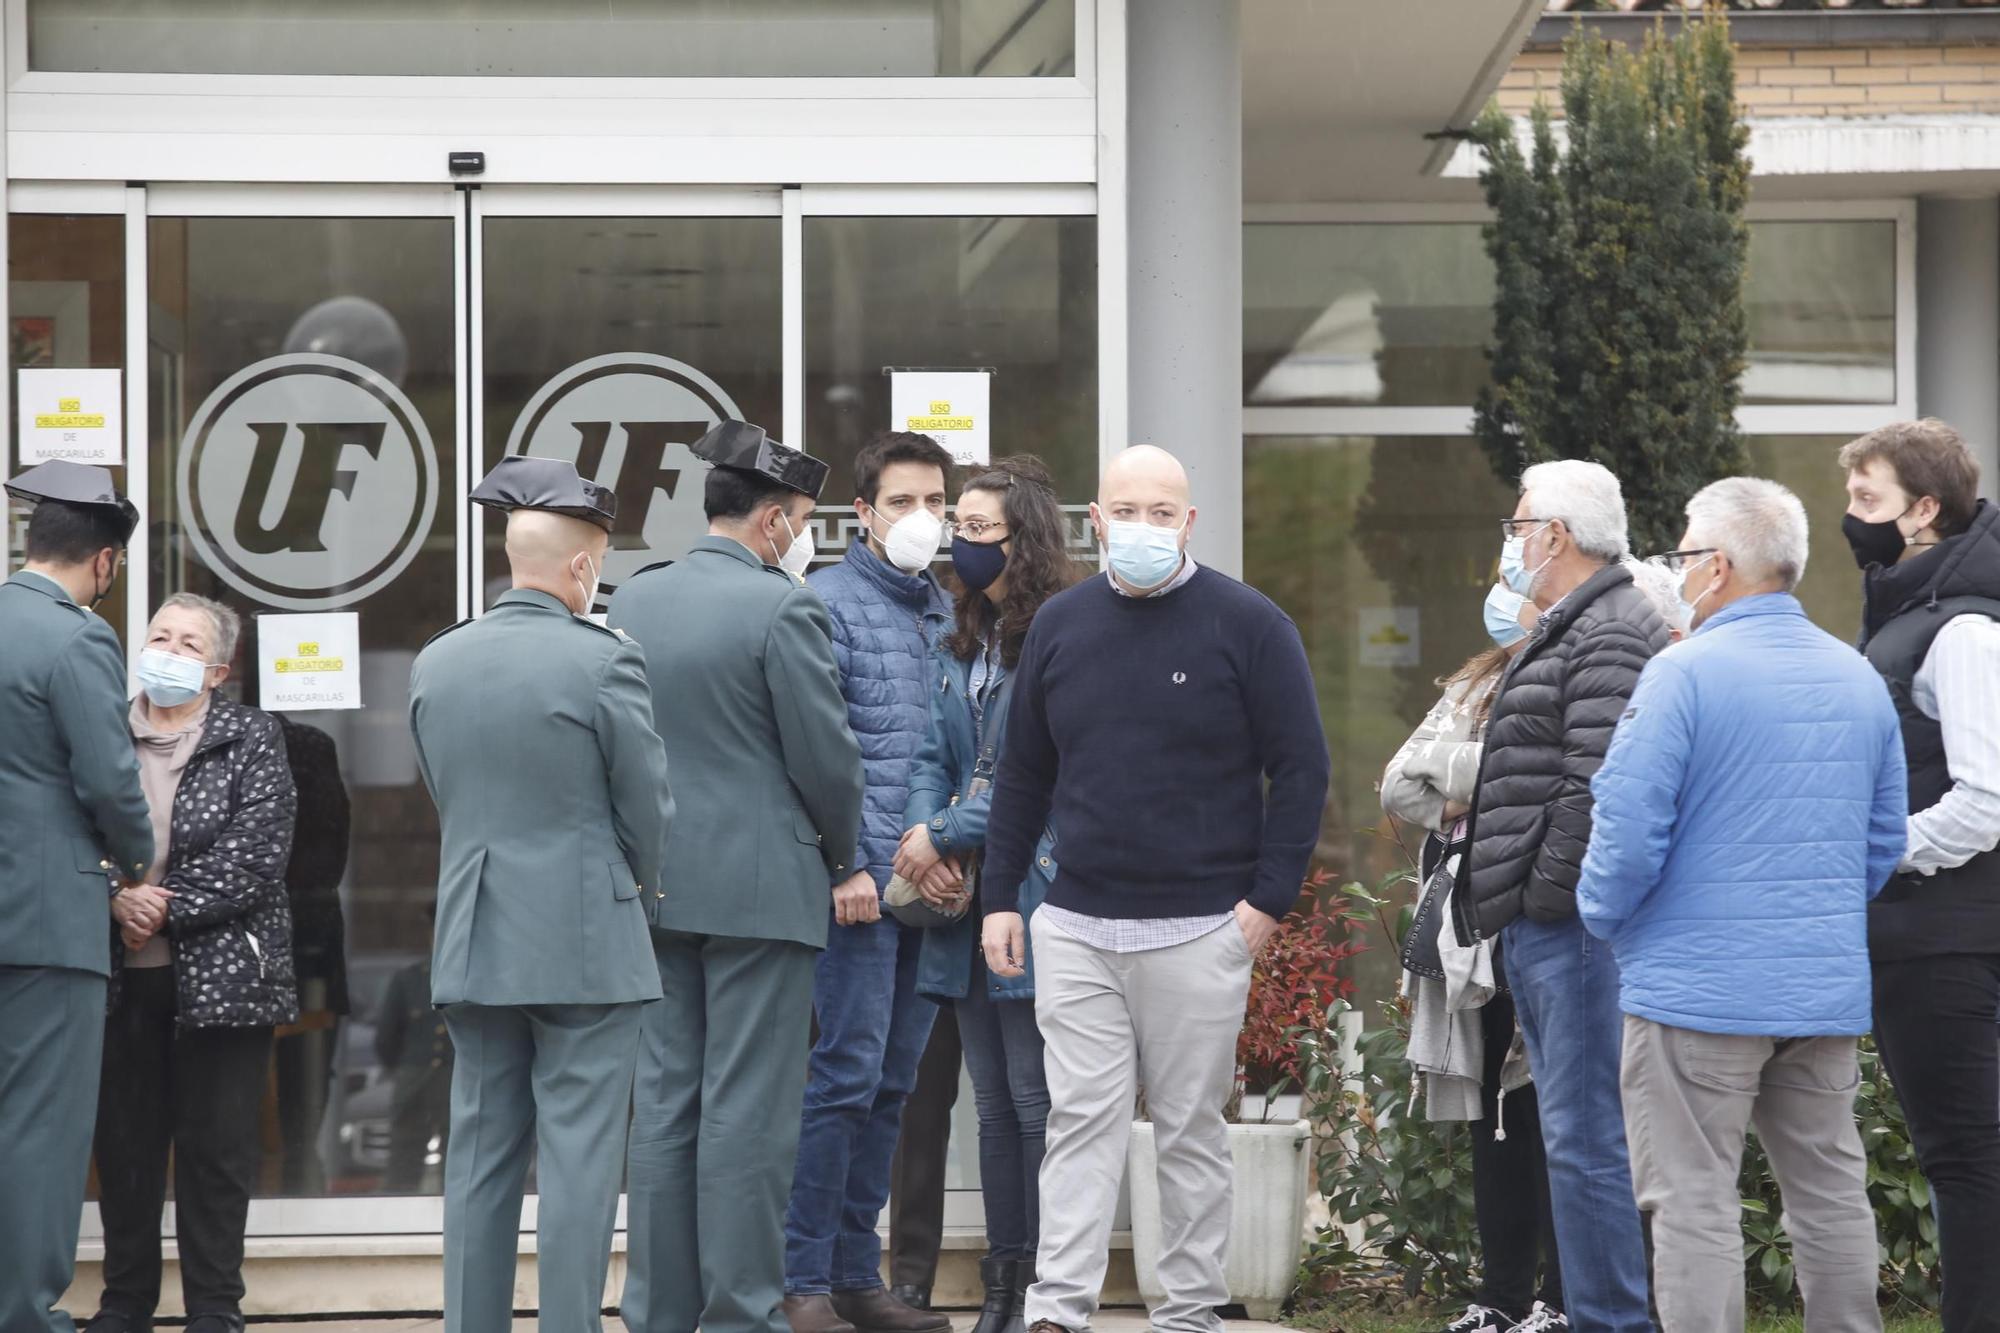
(1875, 543)
(102, 590)
(977, 563)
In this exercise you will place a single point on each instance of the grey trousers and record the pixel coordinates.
(552, 1082)
(51, 1039)
(1167, 1018)
(715, 1134)
(1689, 1097)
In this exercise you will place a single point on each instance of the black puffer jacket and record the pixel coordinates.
(230, 918)
(1550, 726)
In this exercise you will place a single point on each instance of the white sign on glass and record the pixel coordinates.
(1389, 636)
(307, 663)
(950, 406)
(74, 415)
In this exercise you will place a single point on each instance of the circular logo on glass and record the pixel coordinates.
(307, 481)
(626, 420)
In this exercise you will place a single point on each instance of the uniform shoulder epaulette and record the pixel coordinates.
(647, 569)
(446, 630)
(617, 634)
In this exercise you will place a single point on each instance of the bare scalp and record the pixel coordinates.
(1142, 473)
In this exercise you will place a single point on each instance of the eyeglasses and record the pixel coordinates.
(1521, 527)
(1679, 562)
(972, 529)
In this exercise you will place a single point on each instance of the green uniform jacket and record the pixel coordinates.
(71, 809)
(535, 735)
(748, 701)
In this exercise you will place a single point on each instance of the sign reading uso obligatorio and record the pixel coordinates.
(950, 406)
(74, 415)
(309, 662)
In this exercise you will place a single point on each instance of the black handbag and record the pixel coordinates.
(1420, 946)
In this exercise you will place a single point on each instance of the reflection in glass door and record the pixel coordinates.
(614, 343)
(303, 404)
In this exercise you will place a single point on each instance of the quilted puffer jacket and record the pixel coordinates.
(885, 625)
(230, 918)
(1550, 726)
(1752, 803)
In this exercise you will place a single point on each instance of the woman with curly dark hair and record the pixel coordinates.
(1011, 551)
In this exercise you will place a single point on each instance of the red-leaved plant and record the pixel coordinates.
(1294, 984)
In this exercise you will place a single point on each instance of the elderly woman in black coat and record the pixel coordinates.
(206, 974)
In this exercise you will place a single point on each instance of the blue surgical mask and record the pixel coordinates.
(1141, 554)
(1513, 564)
(1503, 616)
(1687, 608)
(169, 679)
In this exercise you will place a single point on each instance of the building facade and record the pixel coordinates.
(323, 271)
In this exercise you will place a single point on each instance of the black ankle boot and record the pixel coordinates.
(1024, 1277)
(1001, 1307)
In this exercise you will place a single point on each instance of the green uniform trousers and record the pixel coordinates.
(51, 1043)
(715, 1134)
(551, 1083)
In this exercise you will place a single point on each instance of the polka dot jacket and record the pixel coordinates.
(230, 919)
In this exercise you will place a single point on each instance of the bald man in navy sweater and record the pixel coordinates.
(1165, 720)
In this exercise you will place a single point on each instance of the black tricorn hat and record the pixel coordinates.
(70, 483)
(747, 448)
(520, 482)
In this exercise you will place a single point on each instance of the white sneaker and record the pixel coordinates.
(1542, 1319)
(1479, 1319)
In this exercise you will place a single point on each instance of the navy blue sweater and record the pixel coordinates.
(1144, 728)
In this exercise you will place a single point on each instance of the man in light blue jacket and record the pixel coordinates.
(1752, 802)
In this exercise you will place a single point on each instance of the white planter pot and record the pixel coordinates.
(1267, 1222)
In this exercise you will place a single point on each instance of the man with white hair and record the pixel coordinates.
(1752, 804)
(1550, 725)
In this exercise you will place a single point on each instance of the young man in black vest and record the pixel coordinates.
(1929, 549)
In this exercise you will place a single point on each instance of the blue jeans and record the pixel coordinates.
(1565, 986)
(872, 1031)
(1003, 1053)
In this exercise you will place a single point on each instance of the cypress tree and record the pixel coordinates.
(1619, 329)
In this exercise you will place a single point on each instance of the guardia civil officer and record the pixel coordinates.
(73, 827)
(534, 731)
(748, 699)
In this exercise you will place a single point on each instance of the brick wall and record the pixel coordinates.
(1819, 81)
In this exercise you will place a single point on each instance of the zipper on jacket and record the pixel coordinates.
(256, 949)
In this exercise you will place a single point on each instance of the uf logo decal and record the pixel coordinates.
(307, 481)
(626, 420)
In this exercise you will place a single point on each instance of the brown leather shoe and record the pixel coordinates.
(814, 1314)
(874, 1310)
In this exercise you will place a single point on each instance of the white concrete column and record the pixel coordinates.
(1958, 323)
(1184, 210)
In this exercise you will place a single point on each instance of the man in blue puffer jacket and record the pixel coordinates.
(888, 613)
(1751, 804)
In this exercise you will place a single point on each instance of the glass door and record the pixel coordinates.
(302, 438)
(615, 328)
(320, 373)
